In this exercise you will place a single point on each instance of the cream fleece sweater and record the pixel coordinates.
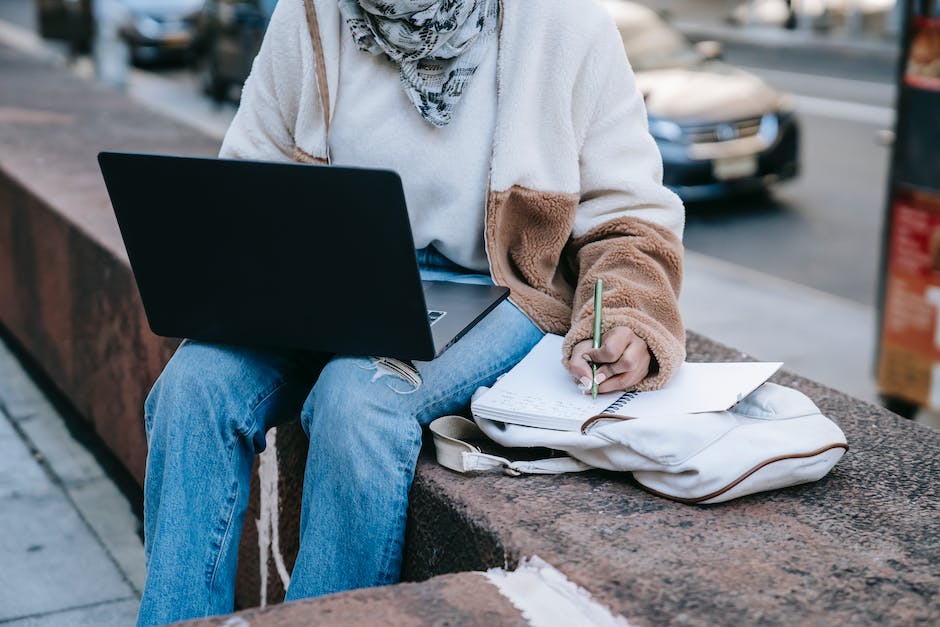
(575, 180)
(443, 170)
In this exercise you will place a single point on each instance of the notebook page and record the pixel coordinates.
(540, 386)
(698, 387)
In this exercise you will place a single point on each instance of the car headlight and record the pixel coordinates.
(770, 127)
(147, 26)
(665, 129)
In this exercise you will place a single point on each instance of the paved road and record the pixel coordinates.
(823, 229)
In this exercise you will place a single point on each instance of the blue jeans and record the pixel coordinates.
(206, 419)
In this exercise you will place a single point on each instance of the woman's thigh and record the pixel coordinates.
(353, 390)
(364, 418)
(236, 389)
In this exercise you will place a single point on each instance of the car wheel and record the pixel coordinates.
(134, 55)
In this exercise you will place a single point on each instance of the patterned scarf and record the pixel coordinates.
(437, 44)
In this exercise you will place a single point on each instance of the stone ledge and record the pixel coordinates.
(859, 546)
(66, 291)
(467, 599)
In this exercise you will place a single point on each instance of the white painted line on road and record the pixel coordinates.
(843, 110)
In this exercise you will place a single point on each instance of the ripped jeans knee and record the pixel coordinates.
(404, 374)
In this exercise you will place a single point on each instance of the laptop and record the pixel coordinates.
(283, 255)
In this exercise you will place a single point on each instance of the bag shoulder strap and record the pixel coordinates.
(453, 451)
(323, 88)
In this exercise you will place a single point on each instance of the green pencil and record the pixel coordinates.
(598, 291)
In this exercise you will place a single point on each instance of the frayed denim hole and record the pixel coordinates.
(402, 371)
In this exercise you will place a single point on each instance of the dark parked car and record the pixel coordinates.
(68, 20)
(157, 30)
(233, 32)
(154, 30)
(720, 130)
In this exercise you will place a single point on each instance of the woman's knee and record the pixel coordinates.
(354, 410)
(209, 386)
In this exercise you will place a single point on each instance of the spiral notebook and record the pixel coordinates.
(539, 392)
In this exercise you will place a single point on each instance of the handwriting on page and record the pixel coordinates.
(539, 391)
(515, 403)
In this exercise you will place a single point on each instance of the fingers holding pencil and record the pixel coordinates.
(623, 360)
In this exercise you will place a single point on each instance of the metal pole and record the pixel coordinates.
(804, 21)
(894, 21)
(853, 19)
(111, 55)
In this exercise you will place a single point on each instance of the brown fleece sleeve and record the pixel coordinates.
(641, 266)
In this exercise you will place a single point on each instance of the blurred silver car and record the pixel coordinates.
(161, 29)
(721, 130)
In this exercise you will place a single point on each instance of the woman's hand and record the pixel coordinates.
(623, 361)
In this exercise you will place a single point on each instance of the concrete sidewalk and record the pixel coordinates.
(70, 550)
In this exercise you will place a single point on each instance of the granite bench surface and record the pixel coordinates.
(459, 600)
(860, 546)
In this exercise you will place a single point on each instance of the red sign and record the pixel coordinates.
(911, 327)
(923, 59)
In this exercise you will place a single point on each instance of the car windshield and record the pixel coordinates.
(652, 44)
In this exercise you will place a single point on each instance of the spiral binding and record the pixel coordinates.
(625, 398)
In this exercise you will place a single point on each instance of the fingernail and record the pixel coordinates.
(600, 378)
(585, 383)
(586, 357)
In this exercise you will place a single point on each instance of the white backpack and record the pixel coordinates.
(774, 438)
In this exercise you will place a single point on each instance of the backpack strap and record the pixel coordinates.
(323, 87)
(453, 451)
